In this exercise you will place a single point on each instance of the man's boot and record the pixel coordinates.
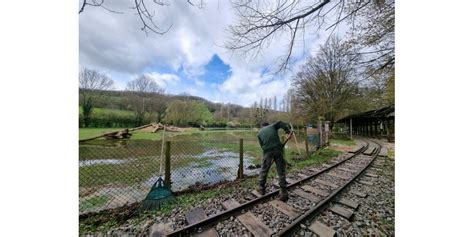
(283, 195)
(261, 190)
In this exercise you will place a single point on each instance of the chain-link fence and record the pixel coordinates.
(113, 173)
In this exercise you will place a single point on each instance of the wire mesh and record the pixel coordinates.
(113, 173)
(116, 173)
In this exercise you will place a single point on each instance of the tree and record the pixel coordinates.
(91, 87)
(140, 92)
(259, 23)
(327, 83)
(181, 113)
(142, 9)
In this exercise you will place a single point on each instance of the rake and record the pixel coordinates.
(158, 194)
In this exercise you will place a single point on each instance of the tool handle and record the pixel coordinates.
(284, 143)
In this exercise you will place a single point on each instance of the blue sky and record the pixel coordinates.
(190, 57)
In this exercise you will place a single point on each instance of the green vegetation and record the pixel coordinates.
(108, 118)
(96, 201)
(391, 153)
(344, 142)
(187, 113)
(318, 158)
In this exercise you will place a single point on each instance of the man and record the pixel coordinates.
(273, 150)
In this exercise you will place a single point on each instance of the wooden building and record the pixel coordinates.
(375, 123)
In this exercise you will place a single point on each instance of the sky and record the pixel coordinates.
(190, 58)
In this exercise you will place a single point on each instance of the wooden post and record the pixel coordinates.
(350, 127)
(306, 142)
(240, 174)
(168, 165)
(370, 128)
(377, 129)
(320, 131)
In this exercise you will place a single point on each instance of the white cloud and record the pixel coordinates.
(114, 43)
(164, 80)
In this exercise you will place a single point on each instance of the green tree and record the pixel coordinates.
(187, 113)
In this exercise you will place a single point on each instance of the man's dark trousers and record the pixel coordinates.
(281, 169)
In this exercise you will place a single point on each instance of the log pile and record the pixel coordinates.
(125, 133)
(155, 127)
(122, 134)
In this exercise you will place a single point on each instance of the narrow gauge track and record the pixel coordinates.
(358, 167)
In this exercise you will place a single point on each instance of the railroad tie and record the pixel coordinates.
(314, 190)
(359, 194)
(303, 176)
(335, 175)
(369, 151)
(289, 181)
(353, 166)
(344, 212)
(315, 169)
(321, 229)
(250, 221)
(230, 203)
(285, 208)
(365, 182)
(196, 215)
(372, 175)
(324, 182)
(349, 203)
(326, 166)
(256, 194)
(160, 229)
(305, 195)
(383, 152)
(347, 170)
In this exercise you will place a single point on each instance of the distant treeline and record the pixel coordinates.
(116, 109)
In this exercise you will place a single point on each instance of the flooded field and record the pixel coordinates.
(113, 173)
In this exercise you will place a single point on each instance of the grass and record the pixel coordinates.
(125, 173)
(318, 158)
(96, 201)
(391, 153)
(103, 112)
(344, 142)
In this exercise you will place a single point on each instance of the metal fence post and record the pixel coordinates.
(240, 173)
(306, 142)
(168, 165)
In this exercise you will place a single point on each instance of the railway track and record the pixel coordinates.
(317, 188)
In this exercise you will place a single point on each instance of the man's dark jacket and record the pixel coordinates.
(268, 136)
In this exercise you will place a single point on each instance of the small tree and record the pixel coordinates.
(140, 93)
(92, 84)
